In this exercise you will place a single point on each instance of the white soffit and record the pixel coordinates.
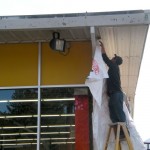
(128, 42)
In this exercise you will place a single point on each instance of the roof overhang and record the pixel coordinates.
(123, 32)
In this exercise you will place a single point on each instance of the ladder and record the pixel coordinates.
(116, 127)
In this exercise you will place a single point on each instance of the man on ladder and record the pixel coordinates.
(114, 89)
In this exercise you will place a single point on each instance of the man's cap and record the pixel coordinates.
(118, 59)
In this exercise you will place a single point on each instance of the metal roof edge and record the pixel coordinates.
(73, 14)
(75, 20)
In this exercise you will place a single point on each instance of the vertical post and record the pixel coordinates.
(82, 120)
(39, 98)
(93, 40)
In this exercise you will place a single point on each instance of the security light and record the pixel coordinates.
(56, 43)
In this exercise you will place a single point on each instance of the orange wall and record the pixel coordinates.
(70, 69)
(19, 64)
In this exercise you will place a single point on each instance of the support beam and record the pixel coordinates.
(93, 40)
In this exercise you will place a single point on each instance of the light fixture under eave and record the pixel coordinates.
(56, 43)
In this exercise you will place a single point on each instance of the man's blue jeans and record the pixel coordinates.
(116, 107)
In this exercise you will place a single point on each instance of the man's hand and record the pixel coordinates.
(102, 46)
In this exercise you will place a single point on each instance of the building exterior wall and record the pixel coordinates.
(33, 116)
(19, 64)
(72, 68)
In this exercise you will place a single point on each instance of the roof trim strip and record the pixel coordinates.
(75, 20)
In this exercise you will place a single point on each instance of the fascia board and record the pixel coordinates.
(72, 21)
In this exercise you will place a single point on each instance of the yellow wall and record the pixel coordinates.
(19, 64)
(70, 69)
